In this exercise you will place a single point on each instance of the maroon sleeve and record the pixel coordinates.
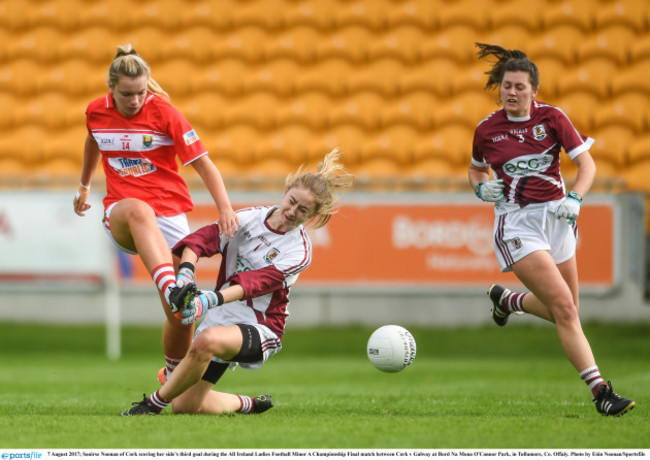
(258, 282)
(204, 242)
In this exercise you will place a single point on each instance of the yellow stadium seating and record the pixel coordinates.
(311, 109)
(417, 109)
(628, 13)
(465, 13)
(8, 116)
(631, 109)
(451, 143)
(575, 13)
(640, 48)
(394, 143)
(314, 13)
(367, 13)
(612, 145)
(594, 75)
(507, 35)
(419, 13)
(454, 42)
(349, 43)
(558, 42)
(467, 109)
(639, 150)
(297, 43)
(269, 84)
(632, 78)
(382, 76)
(362, 108)
(505, 14)
(433, 75)
(579, 106)
(401, 43)
(611, 43)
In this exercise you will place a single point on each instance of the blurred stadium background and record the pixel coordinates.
(273, 84)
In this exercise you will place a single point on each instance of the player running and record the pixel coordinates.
(137, 134)
(535, 228)
(247, 312)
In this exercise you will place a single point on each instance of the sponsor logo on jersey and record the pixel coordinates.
(499, 138)
(131, 166)
(271, 255)
(539, 132)
(147, 140)
(528, 164)
(190, 137)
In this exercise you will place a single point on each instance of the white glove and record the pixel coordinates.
(491, 190)
(569, 207)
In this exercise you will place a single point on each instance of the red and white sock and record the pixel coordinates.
(593, 379)
(513, 302)
(247, 404)
(157, 402)
(171, 363)
(165, 278)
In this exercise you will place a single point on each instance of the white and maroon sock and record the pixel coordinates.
(514, 302)
(247, 404)
(157, 402)
(593, 379)
(165, 278)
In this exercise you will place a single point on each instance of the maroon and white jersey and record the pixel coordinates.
(525, 153)
(264, 262)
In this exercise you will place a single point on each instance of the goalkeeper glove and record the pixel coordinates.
(569, 207)
(200, 305)
(491, 190)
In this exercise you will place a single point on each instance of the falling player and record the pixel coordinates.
(246, 314)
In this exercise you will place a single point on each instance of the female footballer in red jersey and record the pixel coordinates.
(138, 134)
(260, 263)
(535, 231)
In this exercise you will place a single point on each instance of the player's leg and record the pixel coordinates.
(542, 277)
(133, 226)
(569, 272)
(222, 341)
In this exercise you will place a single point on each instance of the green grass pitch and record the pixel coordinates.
(475, 388)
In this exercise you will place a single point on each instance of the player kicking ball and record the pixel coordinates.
(244, 318)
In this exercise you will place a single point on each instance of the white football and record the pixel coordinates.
(391, 348)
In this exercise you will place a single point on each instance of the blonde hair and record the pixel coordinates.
(325, 185)
(128, 62)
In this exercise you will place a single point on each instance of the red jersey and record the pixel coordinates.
(139, 153)
(525, 152)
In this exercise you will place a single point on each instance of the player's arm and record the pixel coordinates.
(228, 220)
(484, 188)
(91, 158)
(569, 208)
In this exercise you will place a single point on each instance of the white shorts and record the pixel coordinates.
(271, 345)
(529, 229)
(173, 228)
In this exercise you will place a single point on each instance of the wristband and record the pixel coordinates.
(85, 187)
(575, 195)
(189, 265)
(477, 189)
(219, 298)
